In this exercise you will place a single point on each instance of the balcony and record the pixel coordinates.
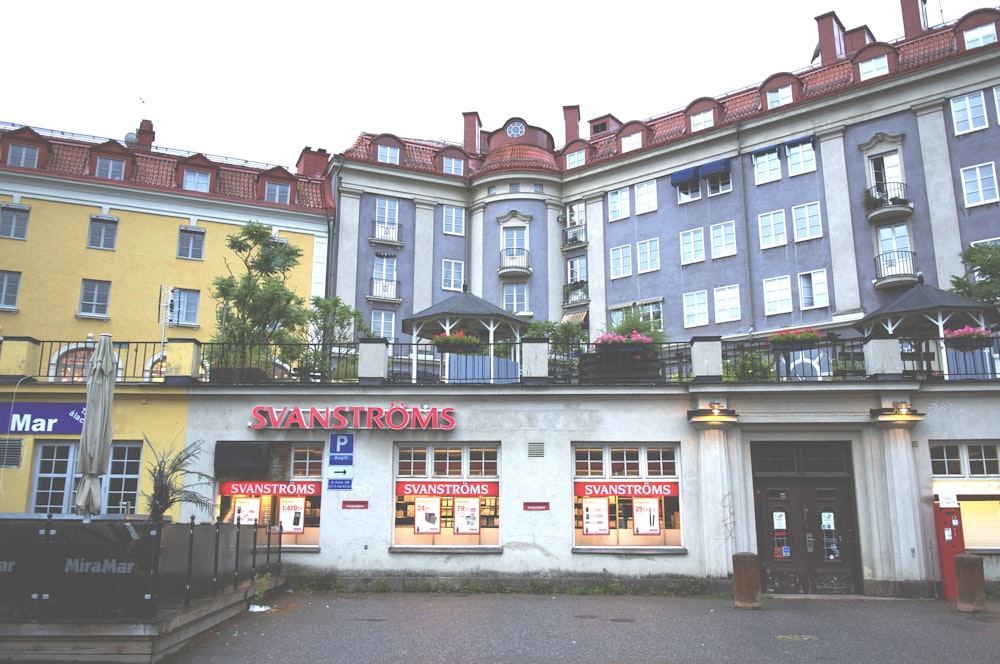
(887, 203)
(386, 233)
(575, 293)
(895, 268)
(574, 236)
(384, 290)
(514, 261)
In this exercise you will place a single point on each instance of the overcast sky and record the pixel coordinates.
(261, 80)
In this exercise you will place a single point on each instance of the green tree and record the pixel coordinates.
(563, 332)
(981, 281)
(167, 473)
(334, 326)
(632, 321)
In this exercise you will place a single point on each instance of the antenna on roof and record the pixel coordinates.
(131, 140)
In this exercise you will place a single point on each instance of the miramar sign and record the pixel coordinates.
(52, 418)
(397, 417)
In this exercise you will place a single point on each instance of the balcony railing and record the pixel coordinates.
(386, 233)
(384, 289)
(514, 260)
(887, 202)
(574, 235)
(576, 292)
(765, 362)
(896, 266)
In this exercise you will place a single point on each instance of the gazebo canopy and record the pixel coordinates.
(467, 313)
(925, 311)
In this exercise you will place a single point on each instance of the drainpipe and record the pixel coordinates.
(332, 249)
(746, 230)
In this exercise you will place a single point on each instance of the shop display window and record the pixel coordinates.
(447, 495)
(626, 495)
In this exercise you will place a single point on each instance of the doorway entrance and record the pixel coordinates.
(806, 518)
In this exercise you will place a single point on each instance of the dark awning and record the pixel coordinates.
(760, 151)
(575, 317)
(715, 168)
(799, 141)
(242, 456)
(684, 176)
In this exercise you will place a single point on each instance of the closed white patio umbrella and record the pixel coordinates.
(95, 440)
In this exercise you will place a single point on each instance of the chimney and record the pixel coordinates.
(571, 114)
(831, 38)
(312, 163)
(145, 135)
(472, 127)
(914, 17)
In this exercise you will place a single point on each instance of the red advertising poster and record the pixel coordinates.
(646, 516)
(427, 515)
(247, 511)
(291, 514)
(595, 516)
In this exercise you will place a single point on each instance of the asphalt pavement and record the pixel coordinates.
(416, 628)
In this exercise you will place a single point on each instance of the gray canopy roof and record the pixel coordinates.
(465, 312)
(927, 311)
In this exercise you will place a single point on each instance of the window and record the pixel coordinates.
(191, 243)
(692, 246)
(621, 261)
(766, 166)
(772, 229)
(14, 221)
(383, 324)
(576, 269)
(645, 197)
(807, 222)
(723, 239)
(122, 480)
(386, 218)
(965, 460)
(452, 275)
(56, 478)
(576, 159)
(94, 297)
(980, 35)
(719, 183)
(632, 142)
(777, 295)
(878, 66)
(651, 312)
(184, 307)
(197, 180)
(974, 467)
(618, 205)
(10, 282)
(696, 308)
(307, 462)
(388, 154)
(454, 220)
(702, 120)
(813, 291)
(979, 184)
(276, 192)
(453, 166)
(103, 233)
(779, 97)
(445, 496)
(649, 255)
(515, 247)
(112, 169)
(727, 303)
(539, 188)
(25, 156)
(576, 214)
(515, 298)
(687, 191)
(894, 251)
(384, 284)
(626, 495)
(801, 158)
(968, 113)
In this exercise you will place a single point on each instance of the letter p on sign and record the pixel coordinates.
(342, 443)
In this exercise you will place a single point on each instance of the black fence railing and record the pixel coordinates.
(895, 264)
(427, 364)
(641, 363)
(950, 358)
(264, 363)
(67, 361)
(63, 569)
(766, 362)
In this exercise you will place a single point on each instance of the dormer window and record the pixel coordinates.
(779, 97)
(388, 154)
(197, 180)
(632, 142)
(981, 35)
(112, 169)
(276, 192)
(25, 156)
(873, 68)
(576, 159)
(452, 166)
(702, 120)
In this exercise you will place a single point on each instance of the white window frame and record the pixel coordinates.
(576, 159)
(95, 299)
(801, 158)
(816, 285)
(197, 180)
(382, 322)
(719, 183)
(387, 154)
(779, 96)
(695, 308)
(102, 233)
(981, 173)
(807, 221)
(10, 285)
(621, 261)
(576, 269)
(703, 120)
(692, 246)
(278, 192)
(996, 99)
(184, 307)
(688, 191)
(452, 274)
(308, 462)
(645, 197)
(453, 218)
(723, 239)
(618, 204)
(777, 295)
(649, 255)
(727, 303)
(453, 166)
(874, 67)
(25, 156)
(515, 298)
(772, 229)
(14, 221)
(632, 142)
(766, 166)
(651, 312)
(191, 244)
(968, 113)
(981, 35)
(110, 168)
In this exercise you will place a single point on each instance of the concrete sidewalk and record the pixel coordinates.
(418, 628)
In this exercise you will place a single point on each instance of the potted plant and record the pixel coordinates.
(459, 342)
(968, 337)
(796, 339)
(611, 341)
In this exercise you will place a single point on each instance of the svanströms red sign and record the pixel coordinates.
(645, 489)
(395, 417)
(250, 488)
(417, 488)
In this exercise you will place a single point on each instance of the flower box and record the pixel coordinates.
(460, 342)
(801, 339)
(968, 343)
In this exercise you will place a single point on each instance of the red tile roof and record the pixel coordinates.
(519, 157)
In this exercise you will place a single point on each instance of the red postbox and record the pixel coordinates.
(951, 542)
